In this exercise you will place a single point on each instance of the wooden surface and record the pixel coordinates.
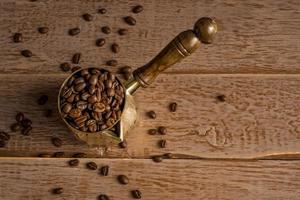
(254, 62)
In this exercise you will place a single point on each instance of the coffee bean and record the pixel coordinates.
(163, 143)
(80, 121)
(26, 122)
(91, 165)
(136, 194)
(4, 136)
(152, 131)
(157, 158)
(74, 162)
(26, 53)
(18, 37)
(16, 127)
(130, 20)
(59, 154)
(123, 31)
(20, 117)
(57, 190)
(92, 125)
(43, 99)
(105, 170)
(123, 144)
(115, 48)
(100, 42)
(102, 11)
(173, 107)
(162, 130)
(48, 113)
(76, 58)
(74, 31)
(71, 98)
(2, 143)
(152, 114)
(79, 87)
(43, 30)
(57, 141)
(112, 63)
(103, 197)
(99, 107)
(65, 67)
(168, 155)
(221, 97)
(106, 29)
(44, 155)
(79, 155)
(67, 108)
(87, 17)
(123, 179)
(79, 80)
(26, 131)
(75, 68)
(137, 9)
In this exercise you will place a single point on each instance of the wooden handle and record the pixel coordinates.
(180, 47)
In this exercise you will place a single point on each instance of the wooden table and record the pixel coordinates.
(247, 147)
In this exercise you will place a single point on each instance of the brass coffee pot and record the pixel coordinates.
(180, 47)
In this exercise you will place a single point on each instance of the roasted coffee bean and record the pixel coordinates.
(92, 90)
(59, 154)
(76, 58)
(97, 116)
(79, 87)
(16, 127)
(26, 53)
(168, 155)
(80, 121)
(18, 37)
(26, 130)
(4, 136)
(26, 122)
(79, 155)
(108, 83)
(75, 112)
(75, 68)
(123, 144)
(2, 143)
(79, 80)
(66, 92)
(162, 130)
(81, 105)
(92, 99)
(43, 30)
(20, 117)
(110, 92)
(221, 98)
(44, 155)
(157, 158)
(65, 67)
(87, 17)
(91, 165)
(67, 108)
(84, 72)
(57, 190)
(43, 99)
(100, 42)
(163, 143)
(93, 79)
(123, 31)
(173, 107)
(103, 197)
(74, 162)
(136, 194)
(99, 107)
(57, 141)
(126, 69)
(115, 48)
(152, 114)
(102, 11)
(112, 62)
(106, 29)
(130, 20)
(71, 98)
(104, 170)
(137, 9)
(152, 132)
(92, 125)
(74, 31)
(123, 179)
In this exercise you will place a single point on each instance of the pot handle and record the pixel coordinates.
(180, 47)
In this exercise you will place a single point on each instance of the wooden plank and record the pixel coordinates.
(22, 179)
(255, 36)
(260, 117)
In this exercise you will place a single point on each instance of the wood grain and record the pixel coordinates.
(254, 36)
(24, 179)
(260, 117)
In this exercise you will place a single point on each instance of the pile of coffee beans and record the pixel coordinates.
(22, 123)
(92, 100)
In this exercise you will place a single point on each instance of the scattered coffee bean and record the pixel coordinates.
(162, 130)
(103, 197)
(173, 107)
(115, 48)
(163, 143)
(65, 67)
(76, 58)
(26, 131)
(137, 9)
(43, 99)
(102, 11)
(130, 20)
(2, 143)
(57, 190)
(123, 144)
(106, 30)
(26, 53)
(87, 17)
(123, 179)
(221, 97)
(157, 158)
(4, 136)
(112, 62)
(152, 114)
(74, 162)
(57, 141)
(74, 31)
(45, 155)
(123, 31)
(48, 113)
(136, 194)
(26, 122)
(91, 165)
(75, 68)
(104, 170)
(100, 42)
(43, 30)
(152, 131)
(59, 154)
(18, 37)
(79, 155)
(168, 155)
(20, 117)
(16, 127)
